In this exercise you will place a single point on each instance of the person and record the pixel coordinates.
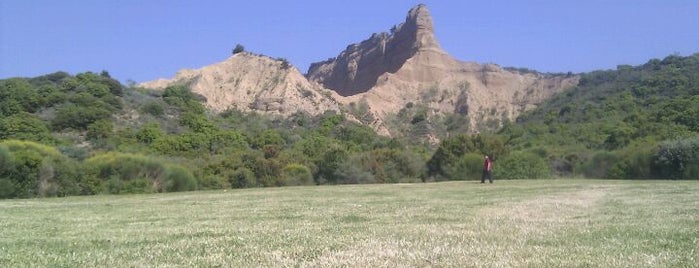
(487, 170)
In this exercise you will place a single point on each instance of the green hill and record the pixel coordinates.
(630, 111)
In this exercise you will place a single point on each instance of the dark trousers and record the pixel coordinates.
(487, 174)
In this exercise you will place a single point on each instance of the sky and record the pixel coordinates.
(142, 40)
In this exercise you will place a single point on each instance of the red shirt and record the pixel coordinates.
(487, 165)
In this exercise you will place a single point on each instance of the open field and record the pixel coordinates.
(536, 223)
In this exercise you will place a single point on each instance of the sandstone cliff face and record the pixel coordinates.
(390, 70)
(249, 82)
(357, 69)
(386, 73)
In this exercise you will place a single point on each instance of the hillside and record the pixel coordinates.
(614, 123)
(405, 73)
(88, 134)
(248, 82)
(613, 109)
(397, 83)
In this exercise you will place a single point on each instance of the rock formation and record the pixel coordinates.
(248, 82)
(407, 65)
(357, 69)
(386, 73)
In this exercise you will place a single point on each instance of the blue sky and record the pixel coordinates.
(142, 40)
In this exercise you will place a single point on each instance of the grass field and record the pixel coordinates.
(535, 223)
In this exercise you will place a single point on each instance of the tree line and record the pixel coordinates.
(88, 134)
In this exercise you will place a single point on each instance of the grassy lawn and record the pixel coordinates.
(535, 223)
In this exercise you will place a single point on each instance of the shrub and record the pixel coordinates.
(243, 178)
(25, 126)
(153, 108)
(677, 159)
(521, 165)
(100, 129)
(180, 179)
(350, 173)
(381, 166)
(467, 167)
(7, 188)
(211, 182)
(149, 133)
(78, 116)
(329, 162)
(296, 174)
(31, 169)
(600, 164)
(130, 173)
(452, 149)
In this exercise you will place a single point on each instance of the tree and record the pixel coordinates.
(238, 49)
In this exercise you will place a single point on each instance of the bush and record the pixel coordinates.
(452, 149)
(100, 129)
(677, 159)
(600, 165)
(467, 167)
(153, 108)
(212, 182)
(521, 165)
(350, 173)
(180, 179)
(30, 169)
(243, 178)
(296, 174)
(25, 126)
(79, 117)
(381, 166)
(7, 188)
(130, 173)
(149, 133)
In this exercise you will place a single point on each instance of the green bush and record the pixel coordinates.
(452, 149)
(17, 95)
(329, 163)
(153, 108)
(25, 126)
(130, 173)
(149, 133)
(381, 166)
(521, 165)
(600, 165)
(34, 169)
(467, 167)
(78, 116)
(349, 172)
(100, 129)
(243, 178)
(180, 179)
(7, 188)
(212, 182)
(677, 159)
(296, 174)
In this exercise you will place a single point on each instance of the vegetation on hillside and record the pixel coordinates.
(623, 123)
(88, 134)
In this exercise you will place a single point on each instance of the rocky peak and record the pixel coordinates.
(418, 26)
(357, 69)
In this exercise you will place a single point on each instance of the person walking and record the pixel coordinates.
(487, 170)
